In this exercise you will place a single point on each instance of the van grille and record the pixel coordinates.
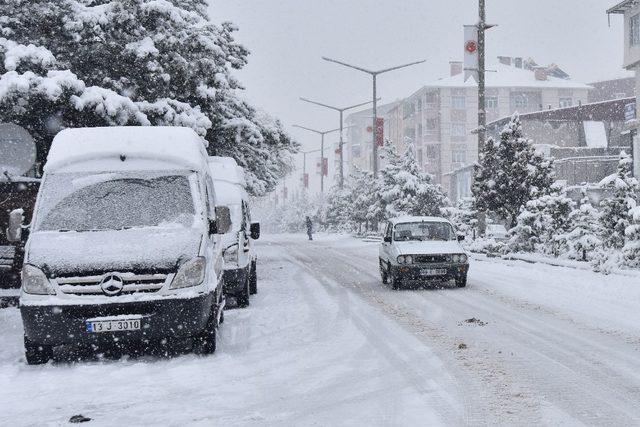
(132, 283)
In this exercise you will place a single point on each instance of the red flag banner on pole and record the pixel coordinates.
(380, 131)
(305, 180)
(325, 166)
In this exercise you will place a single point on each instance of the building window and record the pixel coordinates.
(459, 130)
(491, 102)
(634, 30)
(431, 99)
(459, 154)
(431, 124)
(408, 109)
(419, 105)
(521, 101)
(458, 102)
(432, 151)
(566, 102)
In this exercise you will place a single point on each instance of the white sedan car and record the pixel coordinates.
(420, 249)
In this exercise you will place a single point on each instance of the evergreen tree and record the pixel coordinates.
(543, 223)
(622, 188)
(510, 173)
(404, 189)
(463, 216)
(69, 63)
(583, 236)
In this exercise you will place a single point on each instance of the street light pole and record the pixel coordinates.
(482, 114)
(341, 111)
(374, 75)
(322, 134)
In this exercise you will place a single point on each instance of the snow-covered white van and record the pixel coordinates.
(124, 244)
(240, 279)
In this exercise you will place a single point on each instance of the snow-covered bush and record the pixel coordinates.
(583, 239)
(621, 188)
(70, 63)
(543, 224)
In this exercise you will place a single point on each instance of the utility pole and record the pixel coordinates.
(482, 113)
(341, 111)
(374, 75)
(322, 134)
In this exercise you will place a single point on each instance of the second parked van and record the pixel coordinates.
(240, 279)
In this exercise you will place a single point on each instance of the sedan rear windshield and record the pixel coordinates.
(422, 231)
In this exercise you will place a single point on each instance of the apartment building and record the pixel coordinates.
(439, 118)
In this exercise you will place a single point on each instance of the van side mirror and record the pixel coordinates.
(223, 220)
(387, 239)
(255, 230)
(16, 222)
(460, 237)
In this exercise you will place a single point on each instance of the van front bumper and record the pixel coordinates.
(161, 318)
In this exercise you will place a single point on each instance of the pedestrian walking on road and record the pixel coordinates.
(309, 228)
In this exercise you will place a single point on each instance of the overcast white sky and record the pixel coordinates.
(287, 38)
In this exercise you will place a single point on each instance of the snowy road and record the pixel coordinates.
(325, 343)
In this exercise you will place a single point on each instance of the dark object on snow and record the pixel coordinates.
(462, 346)
(309, 228)
(476, 321)
(79, 419)
(15, 193)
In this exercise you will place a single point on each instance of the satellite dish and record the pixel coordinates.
(17, 150)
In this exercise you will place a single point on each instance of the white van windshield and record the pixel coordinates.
(115, 201)
(422, 231)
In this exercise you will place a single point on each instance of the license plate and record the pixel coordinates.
(433, 272)
(119, 325)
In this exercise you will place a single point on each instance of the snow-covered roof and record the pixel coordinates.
(228, 194)
(179, 146)
(226, 169)
(508, 76)
(404, 219)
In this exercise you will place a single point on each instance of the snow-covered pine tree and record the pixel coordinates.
(510, 173)
(404, 189)
(339, 206)
(583, 237)
(71, 63)
(365, 206)
(621, 192)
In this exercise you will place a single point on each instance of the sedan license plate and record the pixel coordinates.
(433, 272)
(118, 325)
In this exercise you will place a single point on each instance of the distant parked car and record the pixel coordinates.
(240, 278)
(420, 249)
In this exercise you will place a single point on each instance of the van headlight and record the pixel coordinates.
(35, 282)
(405, 259)
(459, 258)
(191, 273)
(230, 254)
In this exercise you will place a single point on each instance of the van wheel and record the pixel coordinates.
(253, 279)
(37, 354)
(205, 342)
(242, 299)
(461, 282)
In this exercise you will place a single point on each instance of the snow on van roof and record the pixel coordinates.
(405, 219)
(226, 169)
(177, 145)
(228, 193)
